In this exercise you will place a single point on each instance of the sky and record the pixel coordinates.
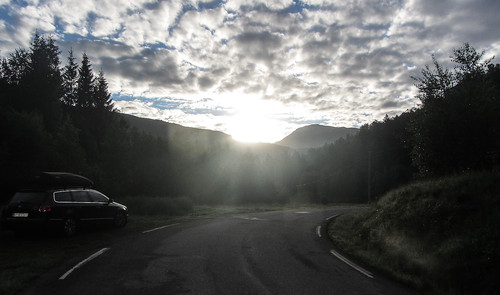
(257, 70)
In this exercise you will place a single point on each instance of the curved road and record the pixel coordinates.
(259, 253)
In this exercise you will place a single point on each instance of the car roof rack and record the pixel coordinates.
(61, 180)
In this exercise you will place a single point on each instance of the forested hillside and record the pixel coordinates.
(59, 117)
(315, 136)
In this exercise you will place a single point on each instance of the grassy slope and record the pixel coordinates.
(439, 236)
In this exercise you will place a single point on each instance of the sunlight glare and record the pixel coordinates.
(255, 121)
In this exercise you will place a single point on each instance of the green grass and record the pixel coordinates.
(439, 236)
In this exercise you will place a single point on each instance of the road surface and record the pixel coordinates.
(260, 253)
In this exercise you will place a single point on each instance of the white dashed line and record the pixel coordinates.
(318, 230)
(331, 217)
(83, 262)
(161, 227)
(351, 264)
(249, 218)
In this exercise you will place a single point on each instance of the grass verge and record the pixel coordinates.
(440, 236)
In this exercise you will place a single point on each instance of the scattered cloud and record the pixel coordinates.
(204, 63)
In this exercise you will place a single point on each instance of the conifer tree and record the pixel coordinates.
(102, 97)
(45, 57)
(43, 89)
(15, 67)
(70, 81)
(85, 84)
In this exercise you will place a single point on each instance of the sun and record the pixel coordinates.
(252, 129)
(255, 121)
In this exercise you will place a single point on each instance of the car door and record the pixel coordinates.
(101, 204)
(84, 209)
(63, 205)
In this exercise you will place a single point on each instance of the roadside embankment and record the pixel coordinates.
(439, 236)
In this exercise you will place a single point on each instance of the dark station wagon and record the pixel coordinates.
(63, 201)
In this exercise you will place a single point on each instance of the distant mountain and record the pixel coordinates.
(312, 136)
(201, 139)
(315, 136)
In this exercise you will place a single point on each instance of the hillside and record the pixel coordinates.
(427, 233)
(177, 133)
(187, 137)
(315, 136)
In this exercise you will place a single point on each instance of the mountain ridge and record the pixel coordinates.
(315, 136)
(311, 136)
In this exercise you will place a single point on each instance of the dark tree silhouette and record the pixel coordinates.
(102, 98)
(85, 83)
(15, 67)
(42, 89)
(455, 129)
(70, 81)
(469, 62)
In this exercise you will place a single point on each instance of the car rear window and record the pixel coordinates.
(62, 197)
(80, 196)
(28, 197)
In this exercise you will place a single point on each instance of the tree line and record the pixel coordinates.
(55, 118)
(455, 130)
(61, 118)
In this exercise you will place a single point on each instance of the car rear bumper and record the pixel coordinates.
(14, 223)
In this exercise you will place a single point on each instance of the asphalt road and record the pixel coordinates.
(262, 253)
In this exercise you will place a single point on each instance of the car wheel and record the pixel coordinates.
(69, 227)
(120, 219)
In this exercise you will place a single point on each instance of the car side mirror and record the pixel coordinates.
(110, 200)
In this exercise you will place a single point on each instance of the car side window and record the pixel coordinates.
(80, 196)
(98, 197)
(62, 197)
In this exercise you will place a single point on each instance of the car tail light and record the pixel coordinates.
(44, 208)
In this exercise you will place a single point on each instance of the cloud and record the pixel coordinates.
(342, 63)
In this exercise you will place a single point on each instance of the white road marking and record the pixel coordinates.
(303, 212)
(331, 217)
(83, 262)
(248, 218)
(318, 230)
(161, 227)
(351, 264)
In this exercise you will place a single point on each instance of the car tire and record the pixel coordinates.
(120, 219)
(69, 227)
